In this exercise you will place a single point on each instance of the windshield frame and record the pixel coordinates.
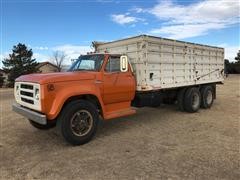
(80, 58)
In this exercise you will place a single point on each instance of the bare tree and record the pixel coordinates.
(58, 58)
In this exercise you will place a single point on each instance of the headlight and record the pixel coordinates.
(37, 94)
(17, 90)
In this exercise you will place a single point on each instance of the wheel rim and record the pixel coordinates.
(195, 101)
(209, 97)
(81, 123)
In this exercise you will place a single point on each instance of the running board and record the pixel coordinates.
(118, 110)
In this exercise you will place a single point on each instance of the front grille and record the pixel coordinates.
(25, 95)
(27, 100)
(26, 86)
(30, 94)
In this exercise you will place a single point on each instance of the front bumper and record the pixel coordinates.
(32, 115)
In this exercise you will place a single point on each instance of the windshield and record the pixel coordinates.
(88, 63)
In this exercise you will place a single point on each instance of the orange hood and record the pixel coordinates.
(56, 77)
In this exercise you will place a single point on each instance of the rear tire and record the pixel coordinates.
(207, 97)
(180, 99)
(192, 100)
(43, 126)
(78, 122)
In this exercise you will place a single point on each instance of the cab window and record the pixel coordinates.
(113, 64)
(88, 63)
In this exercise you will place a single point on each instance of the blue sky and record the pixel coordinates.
(70, 26)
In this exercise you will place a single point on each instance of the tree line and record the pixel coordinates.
(233, 67)
(21, 62)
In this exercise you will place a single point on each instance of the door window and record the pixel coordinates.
(113, 64)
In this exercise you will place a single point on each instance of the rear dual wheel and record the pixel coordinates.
(207, 96)
(191, 99)
(180, 99)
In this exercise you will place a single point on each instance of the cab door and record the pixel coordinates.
(118, 86)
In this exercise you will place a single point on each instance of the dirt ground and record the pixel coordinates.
(156, 143)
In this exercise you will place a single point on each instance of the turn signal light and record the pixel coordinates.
(50, 87)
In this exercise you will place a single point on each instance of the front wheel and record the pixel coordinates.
(78, 122)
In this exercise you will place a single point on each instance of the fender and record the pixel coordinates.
(60, 95)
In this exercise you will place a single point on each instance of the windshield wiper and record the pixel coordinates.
(83, 70)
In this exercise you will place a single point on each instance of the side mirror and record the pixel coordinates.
(124, 63)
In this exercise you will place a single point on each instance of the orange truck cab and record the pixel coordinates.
(95, 85)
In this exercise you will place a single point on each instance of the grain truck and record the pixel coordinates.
(118, 78)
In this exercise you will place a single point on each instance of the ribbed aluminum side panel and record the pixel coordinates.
(160, 63)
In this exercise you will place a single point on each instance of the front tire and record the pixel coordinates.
(78, 122)
(192, 100)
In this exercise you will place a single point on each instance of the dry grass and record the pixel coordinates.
(156, 143)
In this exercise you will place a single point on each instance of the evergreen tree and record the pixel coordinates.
(237, 63)
(238, 57)
(227, 66)
(1, 80)
(18, 63)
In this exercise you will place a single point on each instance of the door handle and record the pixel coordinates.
(98, 82)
